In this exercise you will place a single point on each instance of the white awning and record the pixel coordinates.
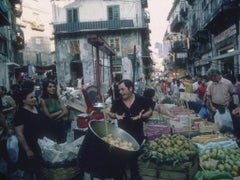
(13, 64)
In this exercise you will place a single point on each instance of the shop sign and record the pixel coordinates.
(181, 55)
(225, 34)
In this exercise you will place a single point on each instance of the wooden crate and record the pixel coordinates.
(185, 171)
(208, 127)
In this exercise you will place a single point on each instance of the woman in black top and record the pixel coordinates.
(29, 124)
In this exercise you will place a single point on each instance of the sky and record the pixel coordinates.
(158, 10)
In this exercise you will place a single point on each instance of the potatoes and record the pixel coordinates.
(123, 144)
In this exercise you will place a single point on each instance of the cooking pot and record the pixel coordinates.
(100, 158)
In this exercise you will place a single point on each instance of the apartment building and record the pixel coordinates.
(36, 24)
(212, 27)
(99, 38)
(11, 40)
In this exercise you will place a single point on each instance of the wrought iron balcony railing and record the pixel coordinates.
(92, 26)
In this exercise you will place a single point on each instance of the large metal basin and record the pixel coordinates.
(100, 158)
(101, 129)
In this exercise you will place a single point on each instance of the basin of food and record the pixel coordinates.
(101, 156)
(113, 136)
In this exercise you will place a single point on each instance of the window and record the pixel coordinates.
(74, 47)
(72, 15)
(3, 46)
(113, 13)
(115, 44)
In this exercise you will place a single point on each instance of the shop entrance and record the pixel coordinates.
(228, 68)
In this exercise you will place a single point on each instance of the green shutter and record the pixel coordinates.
(69, 15)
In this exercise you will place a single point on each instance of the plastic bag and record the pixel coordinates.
(224, 120)
(12, 148)
(59, 153)
(203, 113)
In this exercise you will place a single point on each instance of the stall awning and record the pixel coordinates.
(13, 64)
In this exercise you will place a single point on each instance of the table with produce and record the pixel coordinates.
(187, 148)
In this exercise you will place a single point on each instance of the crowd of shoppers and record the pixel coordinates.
(27, 117)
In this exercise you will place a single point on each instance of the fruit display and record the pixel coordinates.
(203, 139)
(221, 159)
(173, 149)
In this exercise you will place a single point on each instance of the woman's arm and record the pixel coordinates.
(46, 112)
(64, 109)
(22, 140)
(12, 104)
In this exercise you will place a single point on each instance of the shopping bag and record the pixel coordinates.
(12, 148)
(203, 113)
(224, 120)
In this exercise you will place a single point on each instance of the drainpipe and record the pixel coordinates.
(98, 77)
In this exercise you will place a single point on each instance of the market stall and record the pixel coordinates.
(181, 144)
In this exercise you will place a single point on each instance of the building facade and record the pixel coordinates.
(36, 58)
(26, 39)
(99, 38)
(11, 40)
(212, 29)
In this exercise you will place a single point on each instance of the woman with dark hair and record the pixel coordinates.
(29, 124)
(54, 108)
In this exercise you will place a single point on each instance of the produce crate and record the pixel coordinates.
(206, 126)
(155, 128)
(151, 171)
(60, 171)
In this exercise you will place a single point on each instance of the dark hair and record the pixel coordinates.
(28, 84)
(213, 72)
(128, 83)
(45, 94)
(149, 92)
(118, 77)
(4, 90)
(23, 94)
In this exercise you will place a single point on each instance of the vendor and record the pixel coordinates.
(131, 111)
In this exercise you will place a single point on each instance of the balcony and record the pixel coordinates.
(177, 24)
(145, 3)
(224, 15)
(195, 26)
(146, 17)
(179, 46)
(92, 26)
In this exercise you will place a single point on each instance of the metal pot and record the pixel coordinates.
(98, 157)
(102, 129)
